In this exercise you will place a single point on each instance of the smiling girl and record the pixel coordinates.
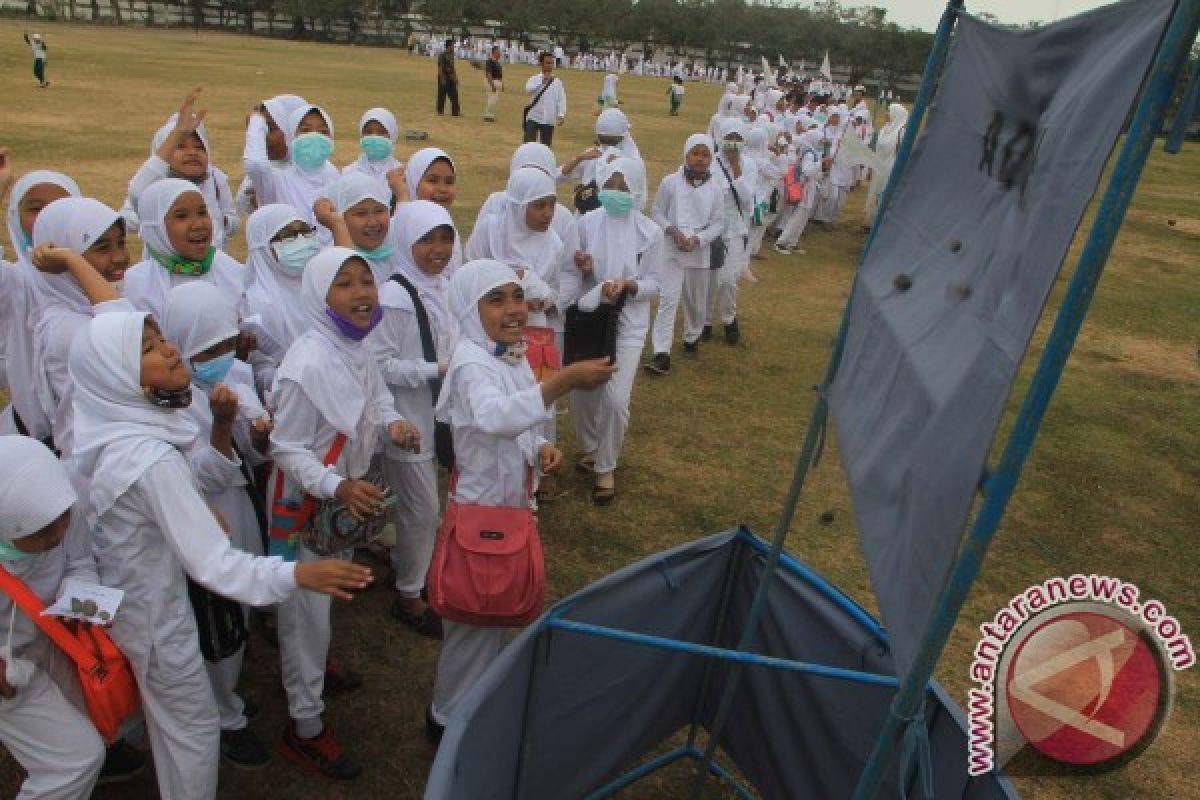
(429, 175)
(326, 390)
(150, 525)
(177, 237)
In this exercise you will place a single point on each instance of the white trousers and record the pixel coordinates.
(181, 722)
(414, 484)
(602, 414)
(304, 633)
(467, 652)
(53, 741)
(722, 288)
(696, 302)
(493, 100)
(223, 677)
(797, 222)
(670, 279)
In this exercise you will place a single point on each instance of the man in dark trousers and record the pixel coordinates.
(447, 80)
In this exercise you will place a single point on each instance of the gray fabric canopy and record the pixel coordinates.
(950, 292)
(597, 706)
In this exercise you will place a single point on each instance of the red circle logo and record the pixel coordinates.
(1086, 688)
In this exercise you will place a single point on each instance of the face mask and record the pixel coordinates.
(9, 552)
(349, 329)
(376, 148)
(294, 254)
(209, 373)
(311, 150)
(381, 253)
(616, 202)
(178, 265)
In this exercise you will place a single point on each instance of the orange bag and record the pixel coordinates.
(109, 688)
(542, 352)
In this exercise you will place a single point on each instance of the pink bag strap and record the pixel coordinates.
(24, 598)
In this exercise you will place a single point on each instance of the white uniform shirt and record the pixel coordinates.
(551, 105)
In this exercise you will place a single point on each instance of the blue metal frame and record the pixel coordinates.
(1188, 107)
(1168, 64)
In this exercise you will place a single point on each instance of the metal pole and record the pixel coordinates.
(1188, 107)
(816, 425)
(1147, 121)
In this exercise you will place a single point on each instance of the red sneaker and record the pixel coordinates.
(322, 755)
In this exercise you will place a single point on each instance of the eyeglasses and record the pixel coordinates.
(288, 237)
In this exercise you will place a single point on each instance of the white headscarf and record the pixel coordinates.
(198, 317)
(74, 223)
(352, 188)
(613, 122)
(35, 490)
(610, 87)
(695, 206)
(162, 133)
(292, 127)
(384, 117)
(119, 434)
(335, 373)
(281, 106)
(615, 242)
(378, 169)
(740, 102)
(534, 154)
(419, 218)
(420, 163)
(272, 293)
(25, 307)
(511, 240)
(153, 207)
(897, 119)
(756, 143)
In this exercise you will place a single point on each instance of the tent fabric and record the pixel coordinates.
(597, 707)
(948, 296)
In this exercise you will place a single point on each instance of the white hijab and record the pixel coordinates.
(695, 205)
(337, 374)
(419, 218)
(74, 223)
(468, 286)
(610, 87)
(272, 293)
(119, 434)
(25, 306)
(420, 163)
(198, 317)
(153, 207)
(510, 239)
(534, 154)
(207, 185)
(616, 242)
(352, 188)
(378, 169)
(613, 122)
(281, 106)
(889, 134)
(35, 490)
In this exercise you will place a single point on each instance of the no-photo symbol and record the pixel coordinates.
(1086, 688)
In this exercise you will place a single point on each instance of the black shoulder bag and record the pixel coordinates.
(443, 440)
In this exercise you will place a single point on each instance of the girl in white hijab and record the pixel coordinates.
(808, 170)
(412, 347)
(885, 152)
(80, 242)
(177, 247)
(181, 149)
(309, 132)
(327, 385)
(149, 525)
(42, 543)
(608, 93)
(204, 326)
(359, 216)
(765, 175)
(430, 175)
(378, 131)
(494, 408)
(265, 139)
(21, 306)
(613, 140)
(623, 252)
(689, 209)
(281, 242)
(737, 175)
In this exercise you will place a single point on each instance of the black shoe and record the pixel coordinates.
(706, 334)
(243, 749)
(338, 679)
(427, 623)
(732, 334)
(121, 763)
(691, 349)
(433, 729)
(659, 365)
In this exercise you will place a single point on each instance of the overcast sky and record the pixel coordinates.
(924, 14)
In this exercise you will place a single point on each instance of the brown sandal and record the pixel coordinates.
(604, 495)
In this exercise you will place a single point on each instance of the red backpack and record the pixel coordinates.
(487, 567)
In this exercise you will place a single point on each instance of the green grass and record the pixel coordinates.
(1110, 488)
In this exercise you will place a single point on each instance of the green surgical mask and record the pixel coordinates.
(9, 552)
(178, 265)
(376, 148)
(616, 202)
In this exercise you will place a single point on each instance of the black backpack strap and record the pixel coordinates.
(256, 499)
(428, 348)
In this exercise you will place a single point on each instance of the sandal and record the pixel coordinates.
(604, 495)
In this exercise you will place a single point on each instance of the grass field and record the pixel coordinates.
(1111, 487)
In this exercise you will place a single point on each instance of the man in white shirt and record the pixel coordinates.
(547, 102)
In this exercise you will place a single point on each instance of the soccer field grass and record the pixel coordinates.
(1112, 486)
